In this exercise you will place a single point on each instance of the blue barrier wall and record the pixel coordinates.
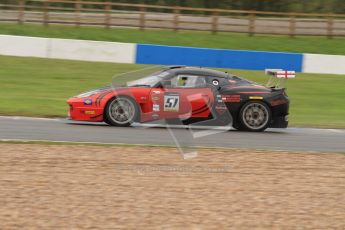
(219, 58)
(116, 52)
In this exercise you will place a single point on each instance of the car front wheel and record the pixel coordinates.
(121, 111)
(255, 116)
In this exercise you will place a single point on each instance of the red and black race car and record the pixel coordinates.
(190, 94)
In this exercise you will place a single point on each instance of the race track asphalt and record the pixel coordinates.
(294, 139)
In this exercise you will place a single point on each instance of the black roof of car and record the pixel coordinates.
(197, 70)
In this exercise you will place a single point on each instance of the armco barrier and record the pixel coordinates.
(168, 55)
(321, 63)
(92, 50)
(23, 46)
(67, 49)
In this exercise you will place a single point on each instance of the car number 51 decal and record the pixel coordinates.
(171, 102)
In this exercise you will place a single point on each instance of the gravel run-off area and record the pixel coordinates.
(45, 186)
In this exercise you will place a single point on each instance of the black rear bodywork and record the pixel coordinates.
(276, 100)
(241, 91)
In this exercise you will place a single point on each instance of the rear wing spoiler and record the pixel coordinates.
(278, 77)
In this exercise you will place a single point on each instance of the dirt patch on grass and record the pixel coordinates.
(65, 186)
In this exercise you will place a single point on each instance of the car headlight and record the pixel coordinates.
(87, 94)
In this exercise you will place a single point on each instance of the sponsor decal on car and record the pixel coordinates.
(155, 98)
(220, 109)
(88, 101)
(256, 98)
(171, 102)
(89, 112)
(155, 116)
(231, 98)
(156, 92)
(155, 108)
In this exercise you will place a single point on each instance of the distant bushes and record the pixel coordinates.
(308, 6)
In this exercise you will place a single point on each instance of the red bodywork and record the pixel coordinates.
(153, 102)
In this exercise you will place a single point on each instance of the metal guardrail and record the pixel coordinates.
(110, 14)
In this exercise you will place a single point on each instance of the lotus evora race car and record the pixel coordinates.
(191, 95)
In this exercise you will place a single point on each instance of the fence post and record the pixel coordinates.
(292, 27)
(251, 24)
(21, 9)
(78, 6)
(107, 20)
(176, 18)
(215, 22)
(330, 27)
(142, 18)
(46, 12)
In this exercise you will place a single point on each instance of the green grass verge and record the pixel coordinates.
(40, 87)
(302, 44)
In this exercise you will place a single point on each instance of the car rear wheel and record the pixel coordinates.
(121, 111)
(255, 116)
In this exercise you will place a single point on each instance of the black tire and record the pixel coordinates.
(121, 111)
(255, 116)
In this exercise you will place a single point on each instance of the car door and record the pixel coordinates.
(183, 97)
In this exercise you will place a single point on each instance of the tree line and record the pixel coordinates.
(306, 6)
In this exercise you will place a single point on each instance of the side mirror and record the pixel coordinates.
(166, 84)
(214, 87)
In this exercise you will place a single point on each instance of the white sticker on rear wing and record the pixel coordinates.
(278, 77)
(286, 74)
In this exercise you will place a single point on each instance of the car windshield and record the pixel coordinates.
(149, 80)
(147, 76)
